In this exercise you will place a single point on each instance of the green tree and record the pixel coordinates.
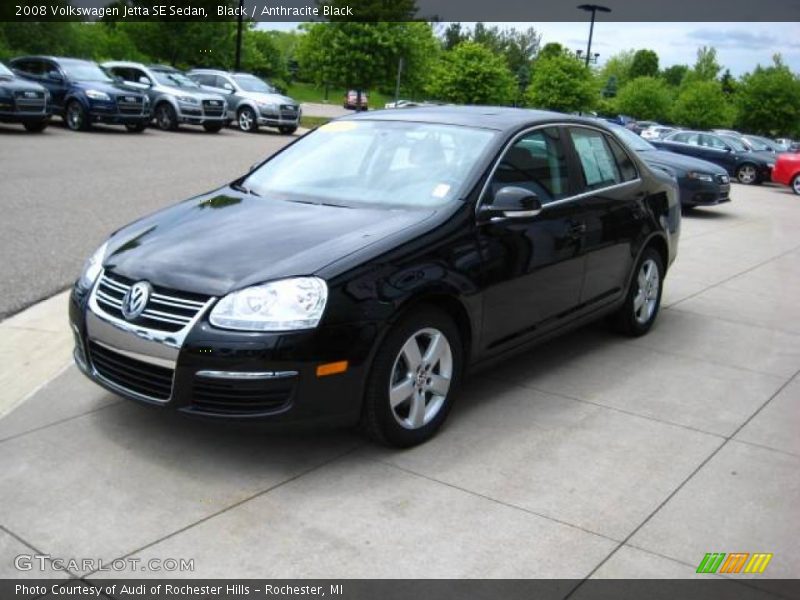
(618, 66)
(471, 74)
(561, 82)
(645, 98)
(453, 35)
(644, 64)
(702, 105)
(768, 100)
(707, 67)
(674, 75)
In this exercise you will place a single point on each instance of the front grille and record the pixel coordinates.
(213, 108)
(29, 101)
(288, 111)
(130, 105)
(166, 310)
(137, 376)
(227, 397)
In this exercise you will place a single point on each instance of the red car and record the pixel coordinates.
(787, 170)
(351, 100)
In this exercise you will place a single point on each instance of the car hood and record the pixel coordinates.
(227, 240)
(194, 93)
(680, 162)
(269, 98)
(20, 85)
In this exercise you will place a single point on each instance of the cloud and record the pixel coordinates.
(734, 38)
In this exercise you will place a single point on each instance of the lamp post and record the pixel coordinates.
(594, 9)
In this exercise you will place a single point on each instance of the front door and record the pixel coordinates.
(533, 266)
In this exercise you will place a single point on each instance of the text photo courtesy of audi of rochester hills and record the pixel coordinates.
(390, 299)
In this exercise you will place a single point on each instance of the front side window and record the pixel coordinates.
(537, 163)
(713, 141)
(174, 79)
(379, 163)
(253, 84)
(627, 169)
(597, 160)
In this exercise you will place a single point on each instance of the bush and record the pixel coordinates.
(560, 82)
(645, 98)
(703, 105)
(472, 74)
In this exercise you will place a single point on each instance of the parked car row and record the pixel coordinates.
(135, 95)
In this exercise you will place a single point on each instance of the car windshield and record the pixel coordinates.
(383, 163)
(635, 142)
(174, 79)
(5, 71)
(734, 143)
(85, 71)
(253, 84)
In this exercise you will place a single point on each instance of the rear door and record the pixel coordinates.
(609, 204)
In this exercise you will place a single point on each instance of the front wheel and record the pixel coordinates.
(35, 126)
(76, 117)
(247, 119)
(643, 301)
(287, 129)
(796, 184)
(747, 174)
(166, 117)
(414, 378)
(212, 127)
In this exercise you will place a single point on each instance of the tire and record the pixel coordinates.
(75, 117)
(747, 174)
(166, 118)
(796, 184)
(419, 410)
(135, 127)
(35, 126)
(246, 119)
(287, 130)
(212, 127)
(642, 303)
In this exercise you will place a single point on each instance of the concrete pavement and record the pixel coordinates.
(593, 456)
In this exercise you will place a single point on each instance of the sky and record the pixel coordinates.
(740, 46)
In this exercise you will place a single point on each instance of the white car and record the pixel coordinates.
(656, 132)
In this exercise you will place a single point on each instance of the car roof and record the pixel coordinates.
(57, 59)
(125, 63)
(487, 117)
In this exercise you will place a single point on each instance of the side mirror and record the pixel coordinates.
(513, 203)
(145, 81)
(56, 77)
(228, 88)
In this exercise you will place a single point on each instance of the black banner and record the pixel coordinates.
(713, 588)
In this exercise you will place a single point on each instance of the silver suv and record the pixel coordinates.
(251, 101)
(175, 98)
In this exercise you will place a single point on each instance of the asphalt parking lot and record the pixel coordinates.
(593, 456)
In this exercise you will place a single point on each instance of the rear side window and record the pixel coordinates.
(537, 163)
(624, 163)
(597, 160)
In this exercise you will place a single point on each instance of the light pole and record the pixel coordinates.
(594, 9)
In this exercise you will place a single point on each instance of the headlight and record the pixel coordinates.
(188, 100)
(282, 305)
(92, 267)
(700, 176)
(268, 106)
(98, 95)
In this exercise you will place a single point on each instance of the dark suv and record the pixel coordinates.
(83, 94)
(727, 152)
(23, 101)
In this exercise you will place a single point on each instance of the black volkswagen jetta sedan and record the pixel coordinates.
(353, 276)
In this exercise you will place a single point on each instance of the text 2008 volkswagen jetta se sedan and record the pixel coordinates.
(354, 275)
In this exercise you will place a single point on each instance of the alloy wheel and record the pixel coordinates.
(74, 116)
(164, 118)
(245, 120)
(796, 184)
(746, 174)
(646, 299)
(421, 378)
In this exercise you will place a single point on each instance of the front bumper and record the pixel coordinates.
(280, 119)
(224, 374)
(110, 114)
(703, 193)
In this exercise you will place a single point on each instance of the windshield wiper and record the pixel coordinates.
(239, 187)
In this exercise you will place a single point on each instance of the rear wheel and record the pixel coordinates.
(76, 117)
(796, 184)
(413, 380)
(643, 301)
(247, 120)
(35, 126)
(212, 127)
(166, 118)
(747, 174)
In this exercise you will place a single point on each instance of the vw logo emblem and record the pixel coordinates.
(135, 300)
